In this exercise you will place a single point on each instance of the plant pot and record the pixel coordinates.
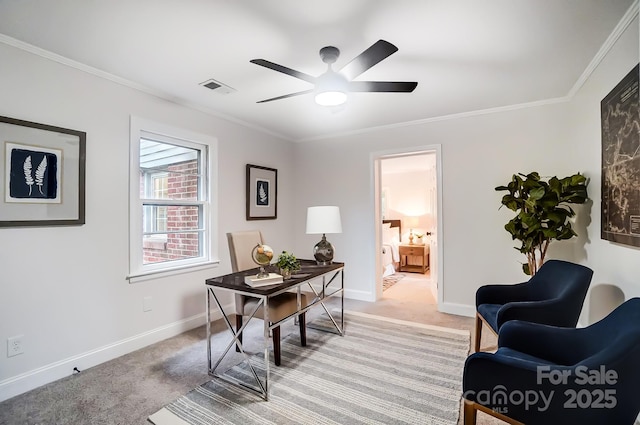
(286, 274)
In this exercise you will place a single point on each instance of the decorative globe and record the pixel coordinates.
(262, 256)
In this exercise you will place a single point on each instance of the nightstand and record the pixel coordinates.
(421, 251)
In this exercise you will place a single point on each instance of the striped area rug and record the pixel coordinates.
(383, 371)
(389, 281)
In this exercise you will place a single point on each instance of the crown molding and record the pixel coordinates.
(128, 83)
(622, 26)
(443, 118)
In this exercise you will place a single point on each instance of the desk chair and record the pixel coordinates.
(240, 246)
(553, 296)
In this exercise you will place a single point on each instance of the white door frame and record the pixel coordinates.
(376, 157)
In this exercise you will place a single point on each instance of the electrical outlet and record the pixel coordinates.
(147, 304)
(14, 346)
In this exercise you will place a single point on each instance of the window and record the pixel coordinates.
(171, 199)
(157, 222)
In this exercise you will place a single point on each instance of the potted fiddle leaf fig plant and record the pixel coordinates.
(543, 209)
(288, 264)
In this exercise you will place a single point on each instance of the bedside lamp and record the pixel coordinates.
(412, 222)
(323, 220)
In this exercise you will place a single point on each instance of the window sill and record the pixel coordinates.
(155, 274)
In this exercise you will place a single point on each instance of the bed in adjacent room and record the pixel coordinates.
(391, 233)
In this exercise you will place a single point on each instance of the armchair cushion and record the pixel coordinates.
(490, 314)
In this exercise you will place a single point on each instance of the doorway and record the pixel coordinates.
(407, 188)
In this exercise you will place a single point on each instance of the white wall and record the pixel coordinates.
(72, 302)
(478, 153)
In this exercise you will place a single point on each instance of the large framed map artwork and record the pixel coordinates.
(620, 117)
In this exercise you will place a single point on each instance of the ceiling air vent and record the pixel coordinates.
(217, 86)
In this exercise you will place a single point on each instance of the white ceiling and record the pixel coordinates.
(466, 55)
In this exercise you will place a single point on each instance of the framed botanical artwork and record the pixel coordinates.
(262, 193)
(43, 174)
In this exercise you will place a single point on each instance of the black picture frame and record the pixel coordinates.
(262, 193)
(620, 190)
(43, 174)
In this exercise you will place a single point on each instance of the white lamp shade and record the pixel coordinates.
(412, 221)
(324, 219)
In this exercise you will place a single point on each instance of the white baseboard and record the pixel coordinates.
(458, 309)
(30, 380)
(359, 295)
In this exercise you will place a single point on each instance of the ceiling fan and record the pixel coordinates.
(331, 88)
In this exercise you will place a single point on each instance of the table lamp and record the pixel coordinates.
(323, 220)
(412, 222)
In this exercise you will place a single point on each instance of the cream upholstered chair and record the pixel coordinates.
(240, 246)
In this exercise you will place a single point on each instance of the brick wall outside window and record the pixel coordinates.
(177, 245)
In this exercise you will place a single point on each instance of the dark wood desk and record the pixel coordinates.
(309, 273)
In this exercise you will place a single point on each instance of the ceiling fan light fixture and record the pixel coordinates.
(331, 89)
(331, 98)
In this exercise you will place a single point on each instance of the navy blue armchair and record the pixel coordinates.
(553, 296)
(544, 374)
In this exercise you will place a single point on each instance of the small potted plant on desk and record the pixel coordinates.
(288, 264)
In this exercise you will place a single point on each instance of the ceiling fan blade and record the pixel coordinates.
(284, 70)
(383, 86)
(380, 50)
(286, 96)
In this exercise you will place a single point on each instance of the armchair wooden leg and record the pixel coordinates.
(303, 329)
(276, 345)
(238, 326)
(470, 413)
(478, 332)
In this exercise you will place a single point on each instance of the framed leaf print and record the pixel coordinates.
(43, 174)
(262, 193)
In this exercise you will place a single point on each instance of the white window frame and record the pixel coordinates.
(156, 207)
(208, 145)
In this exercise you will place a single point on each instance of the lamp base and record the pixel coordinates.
(323, 252)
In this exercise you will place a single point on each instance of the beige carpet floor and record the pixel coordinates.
(414, 298)
(128, 389)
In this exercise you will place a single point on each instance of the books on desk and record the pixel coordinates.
(255, 281)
